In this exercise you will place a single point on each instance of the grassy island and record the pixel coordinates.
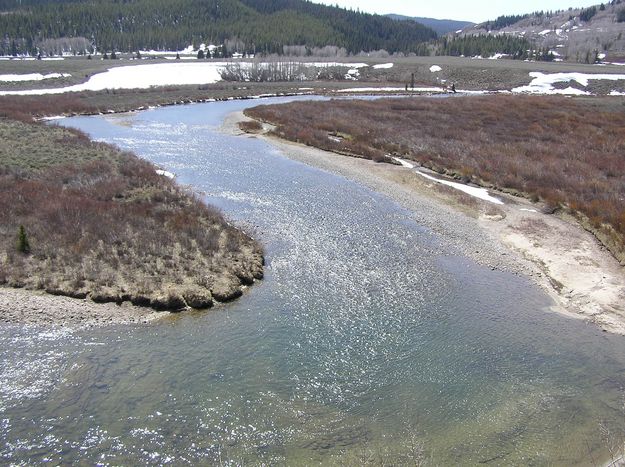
(87, 220)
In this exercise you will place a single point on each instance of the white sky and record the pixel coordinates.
(476, 10)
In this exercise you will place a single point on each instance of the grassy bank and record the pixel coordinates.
(85, 219)
(125, 100)
(566, 152)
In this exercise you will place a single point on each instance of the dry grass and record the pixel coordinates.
(566, 152)
(102, 223)
(250, 126)
(24, 108)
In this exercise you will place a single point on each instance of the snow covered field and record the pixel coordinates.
(140, 77)
(146, 76)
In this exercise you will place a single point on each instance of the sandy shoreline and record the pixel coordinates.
(583, 279)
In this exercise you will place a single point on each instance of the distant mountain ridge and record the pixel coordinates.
(441, 26)
(246, 26)
(585, 35)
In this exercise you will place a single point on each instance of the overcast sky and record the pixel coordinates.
(476, 10)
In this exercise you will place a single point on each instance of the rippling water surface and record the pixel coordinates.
(365, 342)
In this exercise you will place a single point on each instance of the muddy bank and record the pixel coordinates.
(582, 277)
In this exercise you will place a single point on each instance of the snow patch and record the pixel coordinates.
(165, 173)
(32, 77)
(435, 69)
(476, 192)
(543, 83)
(383, 66)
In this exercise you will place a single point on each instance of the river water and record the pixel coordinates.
(368, 341)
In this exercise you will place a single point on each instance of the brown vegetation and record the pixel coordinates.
(568, 153)
(250, 126)
(24, 108)
(101, 223)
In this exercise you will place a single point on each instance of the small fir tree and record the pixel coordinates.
(22, 241)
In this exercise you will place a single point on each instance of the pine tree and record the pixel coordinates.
(22, 241)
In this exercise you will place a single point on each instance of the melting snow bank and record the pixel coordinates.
(32, 77)
(383, 66)
(543, 83)
(481, 193)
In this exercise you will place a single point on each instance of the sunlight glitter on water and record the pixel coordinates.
(369, 332)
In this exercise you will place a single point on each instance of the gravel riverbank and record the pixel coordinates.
(582, 277)
(37, 307)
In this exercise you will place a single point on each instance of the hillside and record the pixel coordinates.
(246, 26)
(440, 26)
(585, 35)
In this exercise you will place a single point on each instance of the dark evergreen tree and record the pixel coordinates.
(22, 241)
(587, 14)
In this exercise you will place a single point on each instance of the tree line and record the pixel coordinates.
(486, 45)
(259, 26)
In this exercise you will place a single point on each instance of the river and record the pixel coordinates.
(370, 339)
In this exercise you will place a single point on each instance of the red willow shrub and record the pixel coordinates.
(25, 108)
(110, 226)
(567, 152)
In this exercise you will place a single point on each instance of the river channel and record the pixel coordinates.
(371, 339)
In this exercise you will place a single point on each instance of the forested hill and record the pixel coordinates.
(588, 35)
(440, 26)
(248, 25)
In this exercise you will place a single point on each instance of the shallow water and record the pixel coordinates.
(369, 337)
